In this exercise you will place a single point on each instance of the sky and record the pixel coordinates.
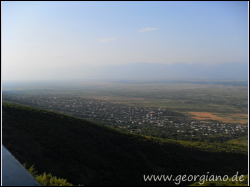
(37, 36)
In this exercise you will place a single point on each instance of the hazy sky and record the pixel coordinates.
(40, 35)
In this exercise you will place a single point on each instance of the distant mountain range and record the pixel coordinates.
(178, 70)
(146, 71)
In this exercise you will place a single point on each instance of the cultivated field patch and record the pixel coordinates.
(225, 118)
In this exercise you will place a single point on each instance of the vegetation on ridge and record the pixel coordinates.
(90, 154)
(47, 179)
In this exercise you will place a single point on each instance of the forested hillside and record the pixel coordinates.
(90, 154)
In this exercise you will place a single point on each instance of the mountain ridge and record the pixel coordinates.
(87, 153)
(142, 71)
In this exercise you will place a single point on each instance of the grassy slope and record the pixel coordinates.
(89, 154)
(239, 141)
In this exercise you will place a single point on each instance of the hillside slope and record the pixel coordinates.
(90, 154)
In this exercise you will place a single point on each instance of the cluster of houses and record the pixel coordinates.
(130, 118)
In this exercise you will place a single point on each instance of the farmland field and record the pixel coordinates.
(225, 118)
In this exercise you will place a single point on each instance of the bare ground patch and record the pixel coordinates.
(225, 118)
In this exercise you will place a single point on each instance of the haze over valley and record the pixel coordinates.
(115, 93)
(142, 71)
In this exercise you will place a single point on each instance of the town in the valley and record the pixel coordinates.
(158, 122)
